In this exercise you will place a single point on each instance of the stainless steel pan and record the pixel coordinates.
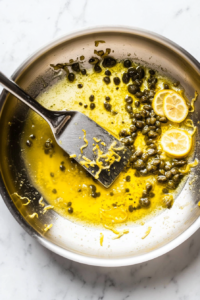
(71, 240)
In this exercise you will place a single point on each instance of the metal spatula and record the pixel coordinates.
(99, 152)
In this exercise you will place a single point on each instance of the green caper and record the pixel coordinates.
(109, 62)
(106, 79)
(163, 120)
(70, 210)
(107, 106)
(145, 202)
(133, 128)
(131, 208)
(97, 68)
(166, 86)
(125, 78)
(28, 143)
(80, 86)
(127, 63)
(32, 136)
(144, 172)
(174, 171)
(152, 134)
(116, 80)
(93, 61)
(91, 98)
(128, 178)
(128, 99)
(168, 174)
(107, 73)
(145, 157)
(140, 124)
(156, 162)
(137, 103)
(151, 72)
(152, 152)
(54, 191)
(133, 88)
(176, 178)
(145, 130)
(149, 187)
(92, 106)
(76, 67)
(71, 77)
(133, 158)
(144, 194)
(129, 108)
(62, 167)
(139, 164)
(107, 98)
(157, 124)
(165, 191)
(171, 184)
(83, 72)
(161, 178)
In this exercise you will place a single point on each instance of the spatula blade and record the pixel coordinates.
(71, 138)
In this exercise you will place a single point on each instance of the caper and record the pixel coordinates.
(176, 178)
(62, 167)
(128, 178)
(131, 140)
(163, 120)
(139, 164)
(143, 172)
(174, 171)
(129, 108)
(80, 103)
(32, 136)
(107, 106)
(132, 72)
(107, 98)
(75, 67)
(85, 105)
(106, 79)
(151, 72)
(139, 94)
(179, 163)
(92, 106)
(165, 191)
(83, 72)
(138, 116)
(28, 143)
(133, 88)
(145, 157)
(149, 187)
(161, 178)
(134, 121)
(134, 134)
(127, 63)
(52, 174)
(133, 128)
(156, 162)
(97, 68)
(131, 208)
(80, 85)
(131, 115)
(125, 78)
(129, 99)
(145, 130)
(71, 77)
(70, 210)
(116, 80)
(137, 103)
(138, 153)
(150, 141)
(133, 158)
(125, 141)
(171, 185)
(152, 152)
(107, 73)
(166, 86)
(152, 146)
(168, 174)
(152, 120)
(157, 124)
(161, 171)
(176, 83)
(147, 107)
(54, 191)
(145, 202)
(140, 72)
(152, 134)
(91, 98)
(168, 167)
(162, 164)
(140, 124)
(148, 121)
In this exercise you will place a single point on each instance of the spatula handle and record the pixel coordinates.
(15, 90)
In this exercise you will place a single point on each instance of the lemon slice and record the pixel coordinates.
(176, 142)
(175, 107)
(158, 102)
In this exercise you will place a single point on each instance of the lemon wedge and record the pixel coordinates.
(175, 107)
(158, 102)
(176, 142)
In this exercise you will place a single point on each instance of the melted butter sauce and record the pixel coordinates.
(72, 184)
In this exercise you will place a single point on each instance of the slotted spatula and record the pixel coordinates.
(79, 136)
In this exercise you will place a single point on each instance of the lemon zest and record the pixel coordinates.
(101, 239)
(199, 203)
(194, 131)
(33, 215)
(118, 233)
(85, 140)
(147, 232)
(23, 198)
(96, 140)
(47, 227)
(192, 101)
(190, 165)
(40, 202)
(102, 143)
(47, 208)
(72, 156)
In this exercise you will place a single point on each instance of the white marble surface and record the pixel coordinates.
(27, 270)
